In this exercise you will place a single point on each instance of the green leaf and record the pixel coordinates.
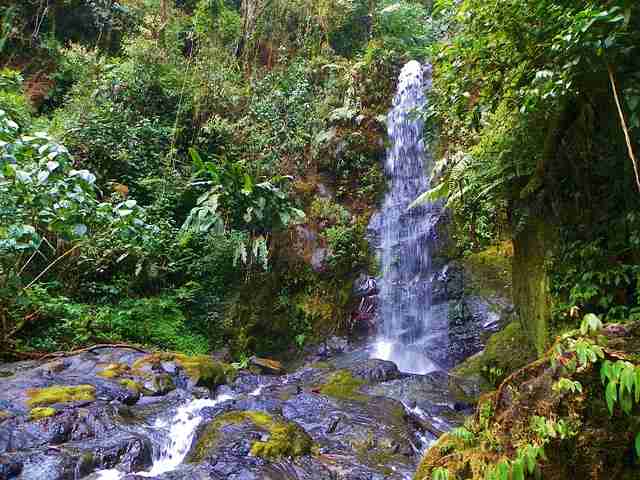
(611, 396)
(503, 470)
(436, 193)
(638, 445)
(628, 378)
(197, 159)
(517, 470)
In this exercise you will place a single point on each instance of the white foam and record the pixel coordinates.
(180, 432)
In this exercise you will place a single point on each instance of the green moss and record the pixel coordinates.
(506, 351)
(531, 281)
(60, 394)
(489, 271)
(114, 370)
(205, 371)
(343, 385)
(202, 369)
(131, 385)
(286, 439)
(320, 365)
(378, 454)
(38, 413)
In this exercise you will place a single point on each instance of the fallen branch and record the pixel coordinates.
(91, 349)
(623, 123)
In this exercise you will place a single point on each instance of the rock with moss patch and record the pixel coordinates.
(283, 438)
(114, 370)
(41, 397)
(344, 386)
(160, 384)
(39, 413)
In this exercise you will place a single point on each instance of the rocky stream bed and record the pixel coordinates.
(118, 413)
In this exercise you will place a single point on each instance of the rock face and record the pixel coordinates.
(117, 411)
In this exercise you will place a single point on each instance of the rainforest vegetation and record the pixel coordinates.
(192, 175)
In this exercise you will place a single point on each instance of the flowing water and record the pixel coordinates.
(180, 431)
(405, 234)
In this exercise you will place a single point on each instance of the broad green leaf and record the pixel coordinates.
(517, 470)
(611, 396)
(503, 470)
(628, 378)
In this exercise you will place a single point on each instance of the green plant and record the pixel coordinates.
(255, 207)
(440, 473)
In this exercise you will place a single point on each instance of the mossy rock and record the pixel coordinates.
(202, 370)
(40, 397)
(507, 351)
(286, 439)
(114, 370)
(160, 384)
(489, 271)
(595, 442)
(39, 413)
(344, 386)
(130, 384)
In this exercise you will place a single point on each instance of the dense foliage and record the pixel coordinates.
(170, 168)
(537, 109)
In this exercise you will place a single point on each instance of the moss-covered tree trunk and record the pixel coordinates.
(531, 292)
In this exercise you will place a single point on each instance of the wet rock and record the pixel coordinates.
(332, 346)
(9, 468)
(129, 454)
(160, 384)
(374, 371)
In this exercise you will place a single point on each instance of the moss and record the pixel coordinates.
(378, 454)
(343, 385)
(531, 282)
(38, 413)
(506, 351)
(201, 369)
(114, 370)
(286, 439)
(320, 365)
(505, 423)
(131, 385)
(489, 271)
(205, 371)
(60, 394)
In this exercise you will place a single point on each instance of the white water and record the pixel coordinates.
(406, 234)
(179, 436)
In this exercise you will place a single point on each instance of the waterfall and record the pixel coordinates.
(404, 235)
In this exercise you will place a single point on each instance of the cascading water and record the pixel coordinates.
(180, 432)
(405, 234)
